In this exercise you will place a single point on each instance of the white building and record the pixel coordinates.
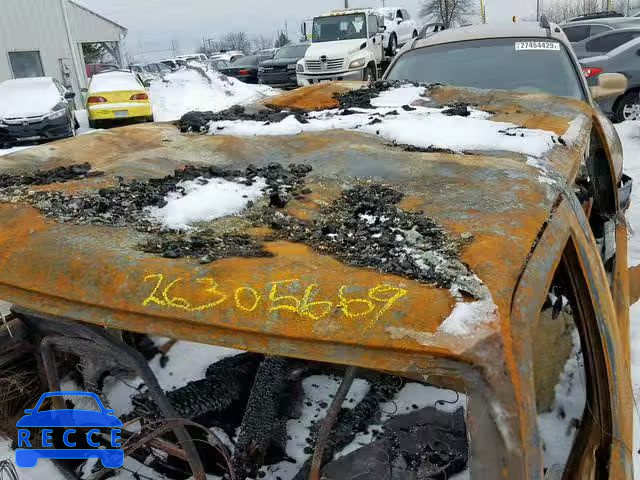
(45, 37)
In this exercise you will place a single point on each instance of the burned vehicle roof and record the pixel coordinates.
(351, 242)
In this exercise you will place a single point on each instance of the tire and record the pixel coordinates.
(392, 49)
(627, 107)
(369, 74)
(150, 119)
(94, 123)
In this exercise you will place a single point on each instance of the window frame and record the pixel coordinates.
(11, 66)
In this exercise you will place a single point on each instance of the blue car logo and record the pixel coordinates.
(70, 420)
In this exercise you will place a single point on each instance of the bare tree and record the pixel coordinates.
(263, 42)
(449, 12)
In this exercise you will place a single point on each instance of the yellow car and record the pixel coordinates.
(117, 95)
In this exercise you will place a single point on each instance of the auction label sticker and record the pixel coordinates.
(537, 46)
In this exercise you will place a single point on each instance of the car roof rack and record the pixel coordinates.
(595, 15)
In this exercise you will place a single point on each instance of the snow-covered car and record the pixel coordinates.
(345, 45)
(34, 109)
(193, 57)
(118, 95)
(399, 29)
(230, 56)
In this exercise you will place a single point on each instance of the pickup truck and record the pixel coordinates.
(476, 285)
(345, 45)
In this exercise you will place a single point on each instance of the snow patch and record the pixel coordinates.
(404, 95)
(205, 200)
(468, 317)
(188, 90)
(421, 127)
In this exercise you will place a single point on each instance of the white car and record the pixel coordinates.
(400, 28)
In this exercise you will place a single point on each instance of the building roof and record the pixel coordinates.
(102, 17)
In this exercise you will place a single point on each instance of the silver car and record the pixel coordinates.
(625, 60)
(582, 29)
(605, 42)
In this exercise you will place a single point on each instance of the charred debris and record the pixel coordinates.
(251, 398)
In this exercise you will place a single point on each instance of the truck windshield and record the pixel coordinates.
(339, 27)
(520, 64)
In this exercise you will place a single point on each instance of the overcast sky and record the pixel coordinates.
(153, 24)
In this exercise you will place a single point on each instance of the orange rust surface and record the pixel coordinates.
(315, 97)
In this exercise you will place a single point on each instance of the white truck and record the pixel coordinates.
(345, 45)
(399, 28)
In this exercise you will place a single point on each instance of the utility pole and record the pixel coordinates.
(346, 4)
(483, 13)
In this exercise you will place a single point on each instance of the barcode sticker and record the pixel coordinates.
(537, 46)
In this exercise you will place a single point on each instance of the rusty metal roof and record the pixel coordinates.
(97, 274)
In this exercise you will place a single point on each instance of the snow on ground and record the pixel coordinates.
(187, 90)
(420, 126)
(206, 200)
(630, 136)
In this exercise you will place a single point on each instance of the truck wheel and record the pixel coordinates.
(392, 49)
(369, 74)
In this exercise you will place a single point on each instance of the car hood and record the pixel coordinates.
(279, 62)
(334, 49)
(69, 419)
(25, 100)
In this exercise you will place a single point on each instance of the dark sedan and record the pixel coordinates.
(280, 71)
(244, 69)
(35, 109)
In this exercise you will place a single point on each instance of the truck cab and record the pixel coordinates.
(345, 45)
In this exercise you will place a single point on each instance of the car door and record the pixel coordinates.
(401, 27)
(609, 41)
(410, 24)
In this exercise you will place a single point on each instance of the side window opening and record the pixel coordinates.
(594, 188)
(570, 378)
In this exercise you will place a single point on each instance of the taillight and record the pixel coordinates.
(96, 100)
(589, 72)
(243, 72)
(139, 96)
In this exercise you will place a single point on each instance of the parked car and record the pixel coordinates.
(158, 68)
(194, 57)
(34, 109)
(150, 71)
(345, 45)
(174, 63)
(231, 56)
(280, 71)
(399, 28)
(118, 95)
(596, 15)
(93, 68)
(430, 28)
(626, 60)
(580, 29)
(244, 69)
(605, 42)
(267, 53)
(218, 64)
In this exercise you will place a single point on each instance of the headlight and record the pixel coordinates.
(299, 68)
(59, 111)
(357, 63)
(292, 66)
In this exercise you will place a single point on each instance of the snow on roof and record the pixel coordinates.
(77, 3)
(420, 126)
(206, 200)
(28, 97)
(113, 82)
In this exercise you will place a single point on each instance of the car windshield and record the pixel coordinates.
(339, 27)
(388, 14)
(293, 51)
(520, 64)
(249, 61)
